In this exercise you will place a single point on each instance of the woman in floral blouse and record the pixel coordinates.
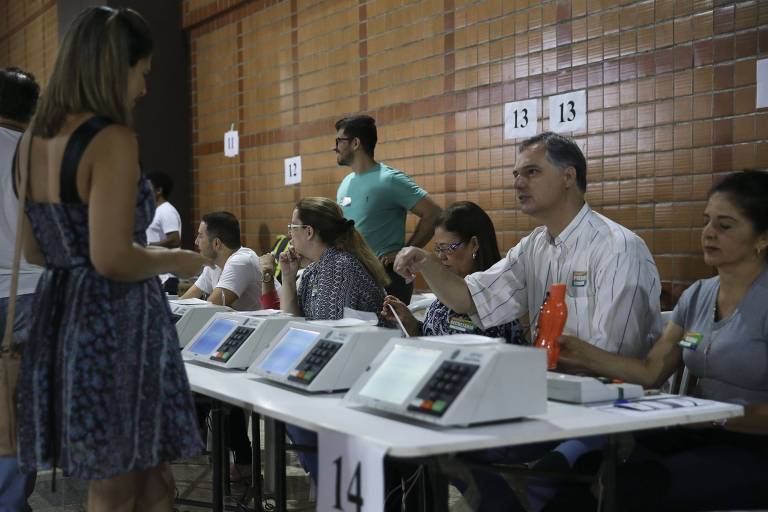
(465, 242)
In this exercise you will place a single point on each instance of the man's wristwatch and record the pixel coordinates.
(266, 277)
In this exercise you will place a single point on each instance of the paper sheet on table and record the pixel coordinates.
(644, 407)
(189, 302)
(261, 312)
(352, 317)
(341, 322)
(465, 339)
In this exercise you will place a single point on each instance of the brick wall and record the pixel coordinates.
(671, 99)
(29, 36)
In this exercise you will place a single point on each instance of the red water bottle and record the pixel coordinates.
(552, 317)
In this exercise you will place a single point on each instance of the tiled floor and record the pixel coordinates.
(193, 482)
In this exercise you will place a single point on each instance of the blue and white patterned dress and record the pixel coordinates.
(335, 281)
(440, 320)
(102, 388)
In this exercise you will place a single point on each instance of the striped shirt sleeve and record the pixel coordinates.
(627, 316)
(499, 293)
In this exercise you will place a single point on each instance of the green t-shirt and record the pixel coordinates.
(378, 200)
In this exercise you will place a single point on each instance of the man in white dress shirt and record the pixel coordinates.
(613, 286)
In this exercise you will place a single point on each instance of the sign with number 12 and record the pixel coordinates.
(351, 475)
(292, 170)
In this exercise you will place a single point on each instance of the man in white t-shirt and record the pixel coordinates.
(165, 229)
(235, 281)
(18, 97)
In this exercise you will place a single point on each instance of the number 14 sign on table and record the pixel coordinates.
(351, 474)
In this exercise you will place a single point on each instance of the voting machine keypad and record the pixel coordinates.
(232, 343)
(443, 388)
(315, 361)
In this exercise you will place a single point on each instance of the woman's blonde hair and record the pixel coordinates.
(91, 69)
(326, 217)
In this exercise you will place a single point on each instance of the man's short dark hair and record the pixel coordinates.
(363, 127)
(562, 152)
(18, 94)
(161, 180)
(225, 227)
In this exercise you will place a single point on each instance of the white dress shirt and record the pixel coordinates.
(612, 284)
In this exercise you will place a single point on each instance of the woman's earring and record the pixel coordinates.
(474, 255)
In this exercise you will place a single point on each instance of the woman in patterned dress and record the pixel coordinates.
(103, 393)
(465, 242)
(343, 271)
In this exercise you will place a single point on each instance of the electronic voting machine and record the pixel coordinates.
(190, 315)
(234, 340)
(321, 356)
(578, 389)
(454, 380)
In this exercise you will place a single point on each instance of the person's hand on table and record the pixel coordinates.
(409, 321)
(574, 353)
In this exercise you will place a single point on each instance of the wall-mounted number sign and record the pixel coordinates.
(231, 143)
(351, 474)
(292, 170)
(761, 96)
(568, 112)
(521, 119)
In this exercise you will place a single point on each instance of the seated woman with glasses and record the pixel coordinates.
(342, 272)
(465, 242)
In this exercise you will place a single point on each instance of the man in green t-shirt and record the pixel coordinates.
(378, 198)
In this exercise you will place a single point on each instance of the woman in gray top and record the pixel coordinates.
(719, 330)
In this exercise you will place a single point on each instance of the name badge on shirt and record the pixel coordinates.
(458, 323)
(691, 340)
(579, 278)
(346, 201)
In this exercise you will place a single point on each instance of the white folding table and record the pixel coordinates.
(414, 440)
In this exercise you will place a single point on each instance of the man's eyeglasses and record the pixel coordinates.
(447, 248)
(338, 139)
(293, 227)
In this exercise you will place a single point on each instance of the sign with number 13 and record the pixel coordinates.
(351, 475)
(568, 112)
(521, 119)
